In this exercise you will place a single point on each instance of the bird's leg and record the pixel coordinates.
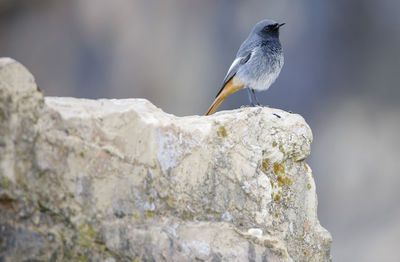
(249, 93)
(255, 97)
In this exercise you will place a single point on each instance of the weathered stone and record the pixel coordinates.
(120, 180)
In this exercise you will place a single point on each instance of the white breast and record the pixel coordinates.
(269, 77)
(260, 76)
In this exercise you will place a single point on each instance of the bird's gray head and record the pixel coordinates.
(267, 29)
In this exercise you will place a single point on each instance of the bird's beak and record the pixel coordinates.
(279, 25)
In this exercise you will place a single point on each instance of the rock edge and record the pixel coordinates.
(120, 180)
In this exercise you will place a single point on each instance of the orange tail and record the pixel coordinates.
(231, 87)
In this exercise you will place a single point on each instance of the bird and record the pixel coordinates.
(258, 63)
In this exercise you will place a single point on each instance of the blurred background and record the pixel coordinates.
(341, 73)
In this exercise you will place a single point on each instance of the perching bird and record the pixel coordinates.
(256, 66)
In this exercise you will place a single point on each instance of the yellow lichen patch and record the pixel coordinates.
(283, 180)
(274, 144)
(308, 186)
(187, 213)
(306, 226)
(276, 215)
(305, 165)
(222, 131)
(232, 205)
(272, 183)
(265, 163)
(279, 179)
(281, 149)
(305, 253)
(279, 168)
(149, 213)
(170, 202)
(81, 154)
(278, 197)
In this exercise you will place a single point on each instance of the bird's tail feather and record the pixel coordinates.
(231, 87)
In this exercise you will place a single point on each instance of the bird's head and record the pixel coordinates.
(267, 29)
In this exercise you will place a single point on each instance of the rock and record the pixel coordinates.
(120, 180)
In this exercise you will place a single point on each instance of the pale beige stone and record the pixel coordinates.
(121, 179)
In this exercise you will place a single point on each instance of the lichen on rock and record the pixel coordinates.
(120, 180)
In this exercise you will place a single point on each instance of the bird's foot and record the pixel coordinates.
(255, 104)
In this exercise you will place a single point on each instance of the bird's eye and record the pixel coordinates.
(266, 28)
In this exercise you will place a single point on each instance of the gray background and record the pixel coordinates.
(341, 72)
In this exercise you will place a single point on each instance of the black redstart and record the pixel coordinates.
(256, 66)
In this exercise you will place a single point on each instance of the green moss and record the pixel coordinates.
(274, 144)
(87, 235)
(5, 182)
(82, 258)
(81, 154)
(136, 260)
(265, 163)
(222, 131)
(61, 235)
(2, 115)
(232, 205)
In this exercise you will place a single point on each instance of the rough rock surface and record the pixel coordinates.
(120, 180)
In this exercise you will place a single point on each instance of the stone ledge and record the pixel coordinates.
(118, 180)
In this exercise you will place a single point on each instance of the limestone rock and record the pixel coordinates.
(120, 180)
